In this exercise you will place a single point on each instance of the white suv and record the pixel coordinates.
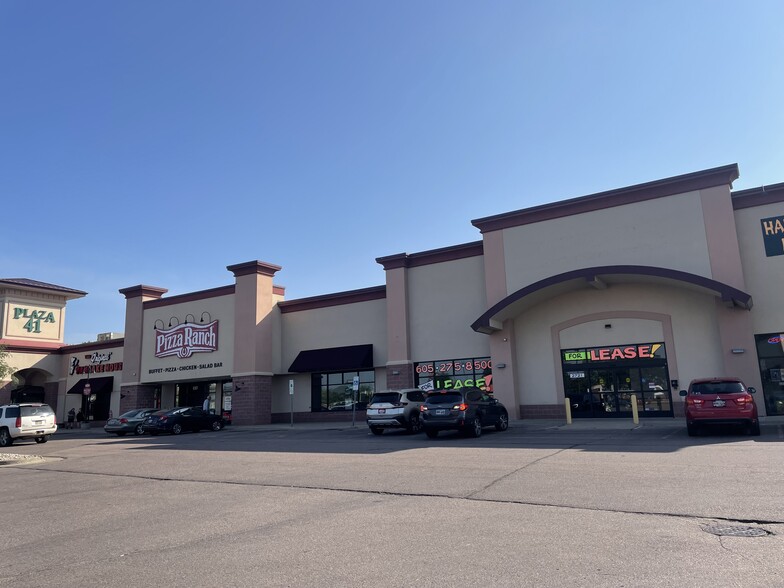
(395, 409)
(26, 421)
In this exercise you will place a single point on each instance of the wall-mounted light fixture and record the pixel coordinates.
(500, 365)
(155, 324)
(395, 373)
(608, 326)
(174, 318)
(209, 316)
(193, 318)
(738, 350)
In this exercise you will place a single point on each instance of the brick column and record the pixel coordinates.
(50, 394)
(136, 396)
(255, 319)
(251, 400)
(400, 376)
(5, 391)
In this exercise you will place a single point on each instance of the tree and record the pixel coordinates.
(5, 369)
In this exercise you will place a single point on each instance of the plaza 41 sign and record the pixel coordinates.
(187, 339)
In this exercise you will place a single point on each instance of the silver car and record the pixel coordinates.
(129, 422)
(395, 409)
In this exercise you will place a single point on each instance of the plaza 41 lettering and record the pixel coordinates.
(34, 318)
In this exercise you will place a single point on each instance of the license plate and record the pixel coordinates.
(382, 411)
(38, 422)
(441, 411)
(719, 403)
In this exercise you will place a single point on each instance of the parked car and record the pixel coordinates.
(182, 418)
(720, 401)
(395, 409)
(467, 410)
(26, 421)
(129, 422)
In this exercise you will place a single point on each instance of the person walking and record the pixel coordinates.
(71, 417)
(79, 418)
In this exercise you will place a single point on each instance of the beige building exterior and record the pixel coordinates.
(591, 303)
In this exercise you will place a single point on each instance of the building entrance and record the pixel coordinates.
(600, 381)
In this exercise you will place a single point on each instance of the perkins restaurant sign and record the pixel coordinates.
(187, 339)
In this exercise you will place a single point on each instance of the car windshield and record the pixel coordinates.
(718, 388)
(390, 397)
(444, 398)
(131, 414)
(36, 410)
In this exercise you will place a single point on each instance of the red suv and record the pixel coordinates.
(720, 401)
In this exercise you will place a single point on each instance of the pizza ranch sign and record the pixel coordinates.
(187, 339)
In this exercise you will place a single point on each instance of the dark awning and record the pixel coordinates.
(97, 385)
(334, 359)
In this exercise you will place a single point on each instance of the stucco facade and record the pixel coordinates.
(578, 303)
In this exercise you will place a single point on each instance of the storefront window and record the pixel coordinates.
(445, 374)
(770, 352)
(600, 381)
(337, 390)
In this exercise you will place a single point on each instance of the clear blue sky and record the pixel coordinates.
(157, 142)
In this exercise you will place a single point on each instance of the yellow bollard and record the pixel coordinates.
(635, 413)
(568, 406)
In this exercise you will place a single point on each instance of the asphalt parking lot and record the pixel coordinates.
(542, 504)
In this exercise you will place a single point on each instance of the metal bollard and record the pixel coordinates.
(568, 405)
(635, 413)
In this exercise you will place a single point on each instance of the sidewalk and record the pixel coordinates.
(607, 424)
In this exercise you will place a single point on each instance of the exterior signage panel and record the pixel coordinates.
(615, 353)
(186, 339)
(773, 235)
(30, 321)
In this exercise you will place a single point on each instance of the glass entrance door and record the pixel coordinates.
(606, 391)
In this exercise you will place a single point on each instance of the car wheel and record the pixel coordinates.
(5, 438)
(176, 428)
(754, 429)
(476, 427)
(503, 422)
(217, 425)
(377, 430)
(42, 439)
(414, 424)
(431, 433)
(121, 433)
(139, 430)
(691, 430)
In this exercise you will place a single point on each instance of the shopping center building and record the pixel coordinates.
(601, 299)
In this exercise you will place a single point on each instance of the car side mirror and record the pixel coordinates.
(683, 392)
(751, 390)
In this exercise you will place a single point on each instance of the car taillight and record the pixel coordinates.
(123, 421)
(18, 422)
(462, 406)
(691, 401)
(422, 408)
(164, 418)
(743, 400)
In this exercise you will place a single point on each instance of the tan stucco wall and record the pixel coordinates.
(360, 323)
(444, 299)
(220, 308)
(764, 275)
(49, 363)
(12, 324)
(665, 232)
(692, 316)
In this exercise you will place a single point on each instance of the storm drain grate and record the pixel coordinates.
(735, 531)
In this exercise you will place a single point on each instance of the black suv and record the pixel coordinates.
(467, 410)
